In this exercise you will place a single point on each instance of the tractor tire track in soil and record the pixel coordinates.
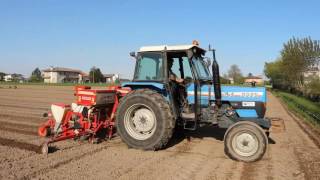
(39, 164)
(29, 112)
(19, 128)
(248, 171)
(20, 117)
(152, 164)
(41, 101)
(24, 107)
(19, 131)
(291, 153)
(68, 160)
(18, 121)
(262, 169)
(20, 145)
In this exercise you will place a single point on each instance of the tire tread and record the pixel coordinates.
(165, 110)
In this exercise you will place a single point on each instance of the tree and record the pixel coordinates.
(95, 75)
(17, 77)
(295, 56)
(274, 71)
(287, 72)
(314, 87)
(224, 79)
(250, 74)
(2, 74)
(36, 76)
(236, 74)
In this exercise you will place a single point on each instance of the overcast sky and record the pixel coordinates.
(81, 34)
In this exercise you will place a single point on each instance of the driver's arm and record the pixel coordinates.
(179, 80)
(174, 77)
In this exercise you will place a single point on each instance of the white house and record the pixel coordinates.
(62, 75)
(254, 79)
(14, 77)
(8, 78)
(111, 78)
(313, 71)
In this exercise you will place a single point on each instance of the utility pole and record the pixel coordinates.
(93, 75)
(93, 71)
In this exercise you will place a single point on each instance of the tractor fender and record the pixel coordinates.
(225, 122)
(262, 122)
(155, 86)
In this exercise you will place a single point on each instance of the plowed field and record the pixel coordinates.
(291, 153)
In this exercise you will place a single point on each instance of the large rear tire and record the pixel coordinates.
(245, 141)
(144, 120)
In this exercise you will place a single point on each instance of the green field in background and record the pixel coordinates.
(295, 103)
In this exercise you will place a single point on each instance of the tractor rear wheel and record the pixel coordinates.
(245, 141)
(144, 120)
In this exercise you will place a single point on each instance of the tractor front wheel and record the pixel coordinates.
(245, 141)
(144, 120)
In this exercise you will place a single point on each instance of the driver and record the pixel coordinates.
(180, 90)
(172, 75)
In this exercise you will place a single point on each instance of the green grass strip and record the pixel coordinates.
(309, 110)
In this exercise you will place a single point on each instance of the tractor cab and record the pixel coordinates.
(171, 70)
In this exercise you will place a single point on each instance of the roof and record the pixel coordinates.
(108, 75)
(62, 69)
(168, 48)
(253, 77)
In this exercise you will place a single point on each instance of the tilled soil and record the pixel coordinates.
(291, 153)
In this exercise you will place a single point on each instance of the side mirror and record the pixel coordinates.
(133, 54)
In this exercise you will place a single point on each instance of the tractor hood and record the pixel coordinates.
(229, 93)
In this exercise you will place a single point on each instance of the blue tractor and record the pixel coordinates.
(173, 87)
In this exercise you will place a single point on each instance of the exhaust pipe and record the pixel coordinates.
(216, 79)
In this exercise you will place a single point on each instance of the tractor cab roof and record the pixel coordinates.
(170, 48)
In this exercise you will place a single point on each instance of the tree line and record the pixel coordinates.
(297, 68)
